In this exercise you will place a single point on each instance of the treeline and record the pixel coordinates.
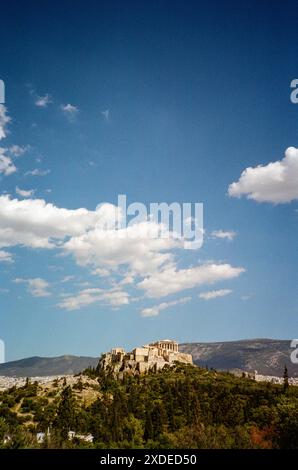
(184, 407)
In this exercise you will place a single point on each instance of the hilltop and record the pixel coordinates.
(179, 407)
(267, 356)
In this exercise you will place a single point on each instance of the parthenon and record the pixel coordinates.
(166, 344)
(154, 355)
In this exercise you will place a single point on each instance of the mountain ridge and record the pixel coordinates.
(267, 356)
(36, 366)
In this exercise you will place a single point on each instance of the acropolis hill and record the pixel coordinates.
(154, 356)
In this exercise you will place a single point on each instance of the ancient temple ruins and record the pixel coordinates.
(152, 356)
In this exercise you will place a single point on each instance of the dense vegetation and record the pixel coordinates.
(184, 407)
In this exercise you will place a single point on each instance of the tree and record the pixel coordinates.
(66, 413)
(286, 379)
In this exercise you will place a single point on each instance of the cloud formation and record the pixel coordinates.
(172, 280)
(114, 298)
(5, 257)
(24, 192)
(122, 256)
(17, 150)
(224, 234)
(37, 224)
(7, 167)
(276, 182)
(70, 111)
(37, 287)
(156, 309)
(213, 294)
(131, 246)
(37, 172)
(43, 101)
(4, 120)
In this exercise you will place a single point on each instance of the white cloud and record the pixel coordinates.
(101, 272)
(224, 234)
(113, 298)
(213, 294)
(7, 166)
(35, 223)
(276, 182)
(4, 120)
(17, 150)
(37, 172)
(24, 192)
(37, 287)
(5, 257)
(43, 101)
(156, 309)
(67, 278)
(95, 240)
(69, 109)
(171, 280)
(110, 248)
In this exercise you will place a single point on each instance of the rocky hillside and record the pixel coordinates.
(267, 356)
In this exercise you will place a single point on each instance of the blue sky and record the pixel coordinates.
(161, 101)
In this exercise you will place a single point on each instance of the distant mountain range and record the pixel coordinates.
(42, 366)
(267, 356)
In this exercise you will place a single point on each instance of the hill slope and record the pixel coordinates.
(42, 366)
(267, 356)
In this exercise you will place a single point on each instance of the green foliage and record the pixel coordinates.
(66, 412)
(183, 407)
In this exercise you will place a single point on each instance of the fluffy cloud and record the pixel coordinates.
(4, 120)
(156, 309)
(276, 182)
(224, 234)
(95, 240)
(37, 172)
(213, 294)
(90, 236)
(131, 246)
(5, 257)
(17, 150)
(7, 166)
(38, 224)
(43, 101)
(24, 192)
(172, 280)
(37, 287)
(70, 111)
(113, 298)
